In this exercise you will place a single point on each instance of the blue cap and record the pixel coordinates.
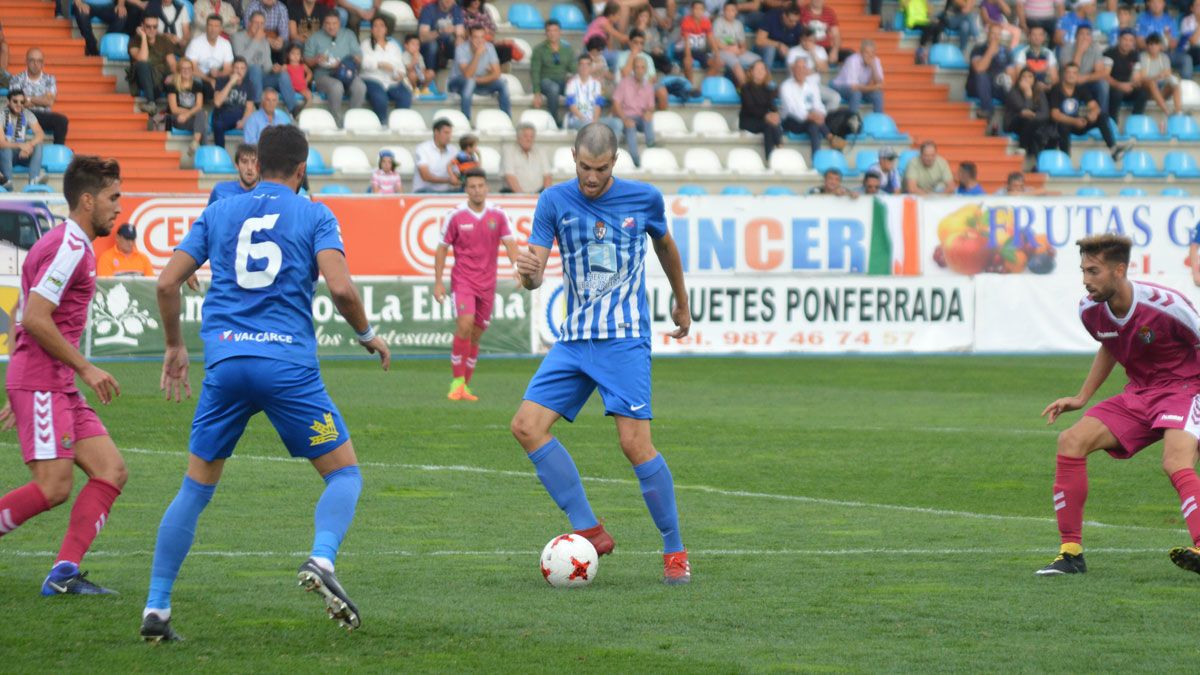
(387, 153)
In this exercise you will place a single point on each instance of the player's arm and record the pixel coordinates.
(668, 257)
(38, 321)
(531, 265)
(332, 263)
(513, 252)
(439, 266)
(1102, 366)
(174, 381)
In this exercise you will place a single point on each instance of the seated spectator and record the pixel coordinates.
(633, 106)
(5, 76)
(385, 180)
(41, 90)
(551, 65)
(124, 260)
(584, 102)
(152, 58)
(383, 69)
(416, 78)
(730, 36)
(1189, 40)
(779, 32)
(185, 104)
(1124, 78)
(268, 115)
(1076, 111)
(211, 53)
(696, 44)
(433, 161)
(967, 183)
(353, 13)
(1015, 185)
(1093, 69)
(440, 28)
(335, 57)
(611, 27)
(823, 22)
(275, 22)
(20, 141)
(233, 102)
(1027, 114)
(871, 182)
(108, 15)
(299, 77)
(655, 46)
(474, 15)
(801, 109)
(831, 184)
(246, 160)
(224, 9)
(477, 70)
(991, 71)
(525, 167)
(759, 114)
(467, 158)
(637, 52)
(1068, 23)
(861, 76)
(1154, 68)
(1042, 14)
(996, 13)
(595, 51)
(929, 173)
(174, 20)
(962, 16)
(818, 66)
(254, 46)
(1038, 58)
(889, 173)
(916, 17)
(1155, 21)
(305, 18)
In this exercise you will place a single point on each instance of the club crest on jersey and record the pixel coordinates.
(1145, 335)
(600, 230)
(491, 223)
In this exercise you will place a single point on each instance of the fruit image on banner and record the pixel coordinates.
(975, 239)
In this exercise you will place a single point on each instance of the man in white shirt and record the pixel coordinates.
(525, 167)
(818, 66)
(433, 161)
(801, 107)
(212, 54)
(583, 96)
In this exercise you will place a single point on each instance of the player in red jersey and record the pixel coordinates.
(1154, 333)
(474, 230)
(56, 427)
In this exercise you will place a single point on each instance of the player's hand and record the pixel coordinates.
(102, 383)
(7, 419)
(439, 291)
(376, 345)
(1061, 406)
(529, 265)
(174, 383)
(193, 283)
(682, 317)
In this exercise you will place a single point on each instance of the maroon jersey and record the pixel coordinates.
(1156, 341)
(61, 267)
(475, 238)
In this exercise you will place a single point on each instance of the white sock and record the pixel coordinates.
(324, 563)
(164, 614)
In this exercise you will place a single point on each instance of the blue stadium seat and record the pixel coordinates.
(1139, 163)
(569, 16)
(56, 158)
(316, 165)
(779, 191)
(736, 191)
(1106, 22)
(1099, 164)
(525, 16)
(38, 188)
(1174, 192)
(1132, 192)
(214, 159)
(881, 127)
(947, 56)
(336, 189)
(115, 47)
(1056, 163)
(826, 159)
(1143, 128)
(1180, 164)
(190, 8)
(719, 90)
(863, 159)
(1183, 128)
(692, 190)
(1089, 192)
(906, 157)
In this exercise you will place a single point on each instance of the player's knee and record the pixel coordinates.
(56, 489)
(117, 474)
(526, 431)
(1072, 444)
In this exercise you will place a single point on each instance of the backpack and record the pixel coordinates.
(843, 123)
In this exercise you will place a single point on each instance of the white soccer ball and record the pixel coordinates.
(569, 561)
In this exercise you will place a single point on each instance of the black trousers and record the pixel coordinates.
(54, 124)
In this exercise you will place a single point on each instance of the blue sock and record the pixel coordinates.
(658, 489)
(175, 534)
(335, 510)
(557, 471)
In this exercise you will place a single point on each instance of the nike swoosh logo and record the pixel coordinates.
(56, 588)
(636, 408)
(568, 221)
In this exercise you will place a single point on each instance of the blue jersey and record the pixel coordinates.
(263, 248)
(229, 188)
(603, 247)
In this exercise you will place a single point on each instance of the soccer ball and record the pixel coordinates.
(569, 561)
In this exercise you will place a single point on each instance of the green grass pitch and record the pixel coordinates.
(843, 514)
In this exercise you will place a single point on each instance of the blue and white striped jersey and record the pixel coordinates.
(603, 247)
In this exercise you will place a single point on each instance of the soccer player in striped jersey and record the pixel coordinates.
(601, 223)
(474, 230)
(56, 427)
(1154, 333)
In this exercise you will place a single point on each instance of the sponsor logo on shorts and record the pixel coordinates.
(1145, 334)
(325, 431)
(66, 441)
(261, 336)
(1105, 335)
(1170, 418)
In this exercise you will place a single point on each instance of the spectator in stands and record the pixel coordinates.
(610, 26)
(440, 28)
(211, 53)
(625, 60)
(1155, 21)
(477, 70)
(41, 90)
(779, 32)
(633, 105)
(1076, 111)
(1189, 39)
(889, 174)
(1027, 114)
(1068, 23)
(996, 13)
(665, 14)
(991, 71)
(474, 15)
(823, 22)
(108, 14)
(584, 100)
(335, 57)
(1154, 68)
(416, 78)
(1015, 185)
(1126, 18)
(5, 76)
(1039, 14)
(224, 9)
(758, 114)
(20, 141)
(1124, 79)
(551, 65)
(276, 24)
(801, 109)
(595, 48)
(929, 173)
(818, 66)
(872, 182)
(696, 42)
(831, 184)
(124, 260)
(467, 158)
(245, 157)
(916, 17)
(967, 183)
(152, 58)
(1093, 69)
(385, 180)
(254, 46)
(233, 102)
(383, 69)
(730, 36)
(433, 161)
(655, 46)
(185, 104)
(861, 76)
(525, 166)
(299, 76)
(268, 115)
(305, 18)
(174, 19)
(962, 16)
(1038, 58)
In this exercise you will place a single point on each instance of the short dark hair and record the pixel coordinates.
(281, 149)
(409, 37)
(596, 42)
(553, 22)
(1070, 64)
(88, 174)
(1109, 247)
(441, 123)
(872, 173)
(584, 57)
(792, 8)
(214, 17)
(240, 59)
(1016, 175)
(638, 33)
(1154, 39)
(834, 171)
(16, 92)
(598, 139)
(245, 150)
(257, 12)
(970, 169)
(476, 27)
(473, 173)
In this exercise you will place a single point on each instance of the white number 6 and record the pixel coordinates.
(263, 249)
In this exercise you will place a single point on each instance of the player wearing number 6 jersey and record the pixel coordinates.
(1154, 332)
(266, 248)
(601, 223)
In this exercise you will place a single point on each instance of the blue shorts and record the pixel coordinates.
(292, 395)
(569, 374)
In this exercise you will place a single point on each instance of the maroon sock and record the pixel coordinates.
(87, 517)
(1188, 485)
(1070, 493)
(458, 356)
(471, 360)
(20, 505)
